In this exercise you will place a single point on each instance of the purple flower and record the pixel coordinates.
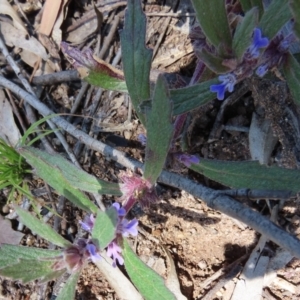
(187, 159)
(76, 256)
(125, 227)
(121, 211)
(257, 43)
(135, 188)
(142, 139)
(88, 223)
(262, 70)
(113, 250)
(228, 82)
(92, 250)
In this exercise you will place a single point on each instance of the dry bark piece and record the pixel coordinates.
(261, 139)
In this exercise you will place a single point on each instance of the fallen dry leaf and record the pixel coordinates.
(85, 29)
(14, 37)
(8, 128)
(6, 9)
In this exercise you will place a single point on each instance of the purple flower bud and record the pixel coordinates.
(257, 43)
(79, 58)
(113, 250)
(228, 82)
(135, 188)
(262, 70)
(187, 159)
(76, 256)
(142, 139)
(88, 223)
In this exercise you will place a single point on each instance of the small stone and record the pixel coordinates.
(5, 209)
(127, 134)
(202, 264)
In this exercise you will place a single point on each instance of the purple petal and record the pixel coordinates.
(113, 250)
(262, 70)
(142, 139)
(121, 211)
(219, 89)
(88, 223)
(129, 227)
(258, 41)
(187, 159)
(91, 248)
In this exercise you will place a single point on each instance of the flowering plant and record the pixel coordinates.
(230, 53)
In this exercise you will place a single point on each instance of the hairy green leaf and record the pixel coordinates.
(106, 81)
(41, 228)
(75, 176)
(295, 8)
(291, 71)
(213, 62)
(212, 17)
(159, 131)
(249, 174)
(149, 283)
(136, 57)
(244, 31)
(11, 254)
(104, 230)
(276, 15)
(192, 97)
(28, 270)
(55, 178)
(69, 289)
(249, 4)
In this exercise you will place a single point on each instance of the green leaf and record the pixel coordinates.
(104, 230)
(291, 70)
(106, 81)
(148, 282)
(249, 174)
(242, 37)
(28, 270)
(276, 15)
(95, 70)
(159, 131)
(213, 62)
(55, 178)
(212, 17)
(136, 57)
(249, 4)
(295, 8)
(10, 254)
(75, 176)
(69, 289)
(41, 228)
(192, 97)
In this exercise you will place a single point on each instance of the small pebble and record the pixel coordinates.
(202, 264)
